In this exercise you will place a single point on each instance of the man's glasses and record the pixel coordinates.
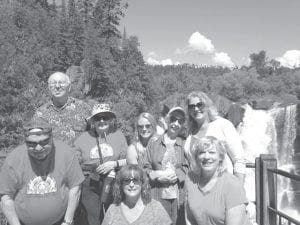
(174, 119)
(135, 180)
(199, 105)
(33, 144)
(59, 84)
(147, 126)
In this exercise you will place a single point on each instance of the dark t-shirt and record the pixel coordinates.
(39, 201)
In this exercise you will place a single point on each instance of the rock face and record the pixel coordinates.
(77, 77)
(236, 114)
(264, 104)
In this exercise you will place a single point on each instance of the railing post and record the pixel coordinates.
(266, 190)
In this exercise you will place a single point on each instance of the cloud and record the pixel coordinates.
(164, 62)
(152, 54)
(200, 43)
(222, 59)
(290, 59)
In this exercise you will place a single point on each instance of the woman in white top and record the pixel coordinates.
(145, 129)
(203, 120)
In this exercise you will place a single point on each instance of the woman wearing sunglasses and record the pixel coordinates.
(132, 201)
(203, 120)
(166, 166)
(102, 150)
(145, 128)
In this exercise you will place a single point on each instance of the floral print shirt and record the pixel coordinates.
(67, 122)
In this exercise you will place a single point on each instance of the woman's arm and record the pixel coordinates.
(236, 215)
(8, 208)
(131, 156)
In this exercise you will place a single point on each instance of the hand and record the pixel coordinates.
(106, 167)
(168, 178)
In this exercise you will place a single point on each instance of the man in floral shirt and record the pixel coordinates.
(65, 114)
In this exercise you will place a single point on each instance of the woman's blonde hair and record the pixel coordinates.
(211, 108)
(206, 143)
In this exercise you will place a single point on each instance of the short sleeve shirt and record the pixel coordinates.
(209, 208)
(39, 201)
(67, 122)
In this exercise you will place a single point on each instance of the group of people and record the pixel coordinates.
(76, 167)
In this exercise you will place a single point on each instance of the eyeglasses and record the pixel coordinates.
(147, 126)
(60, 84)
(174, 119)
(33, 144)
(199, 105)
(135, 180)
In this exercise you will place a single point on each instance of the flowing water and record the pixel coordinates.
(270, 131)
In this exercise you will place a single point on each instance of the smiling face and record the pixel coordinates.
(145, 128)
(132, 186)
(59, 85)
(197, 109)
(39, 145)
(208, 159)
(102, 123)
(176, 121)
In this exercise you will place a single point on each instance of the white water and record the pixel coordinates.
(270, 131)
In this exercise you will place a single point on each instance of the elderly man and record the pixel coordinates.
(65, 114)
(40, 180)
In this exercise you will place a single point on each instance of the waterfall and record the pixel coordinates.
(270, 131)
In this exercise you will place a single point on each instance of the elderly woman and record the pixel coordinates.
(166, 165)
(132, 201)
(214, 196)
(145, 128)
(102, 150)
(203, 120)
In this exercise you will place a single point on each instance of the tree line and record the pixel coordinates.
(39, 37)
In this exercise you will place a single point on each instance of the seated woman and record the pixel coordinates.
(214, 196)
(132, 201)
(166, 166)
(145, 128)
(102, 150)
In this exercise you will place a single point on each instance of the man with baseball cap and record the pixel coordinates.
(40, 180)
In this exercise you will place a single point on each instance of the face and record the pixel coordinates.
(145, 129)
(197, 108)
(132, 186)
(175, 124)
(39, 145)
(208, 159)
(102, 123)
(58, 85)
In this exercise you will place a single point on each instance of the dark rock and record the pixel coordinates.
(236, 114)
(263, 104)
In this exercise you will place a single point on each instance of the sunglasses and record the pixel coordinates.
(199, 105)
(104, 118)
(141, 127)
(33, 144)
(135, 180)
(173, 119)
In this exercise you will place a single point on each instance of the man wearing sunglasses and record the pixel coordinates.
(40, 180)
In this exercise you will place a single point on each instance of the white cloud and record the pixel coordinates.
(200, 43)
(152, 61)
(222, 59)
(290, 59)
(164, 62)
(152, 54)
(178, 51)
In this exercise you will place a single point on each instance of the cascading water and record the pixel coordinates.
(270, 131)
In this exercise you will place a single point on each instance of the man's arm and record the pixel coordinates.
(8, 208)
(73, 201)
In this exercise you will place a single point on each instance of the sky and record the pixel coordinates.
(215, 32)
